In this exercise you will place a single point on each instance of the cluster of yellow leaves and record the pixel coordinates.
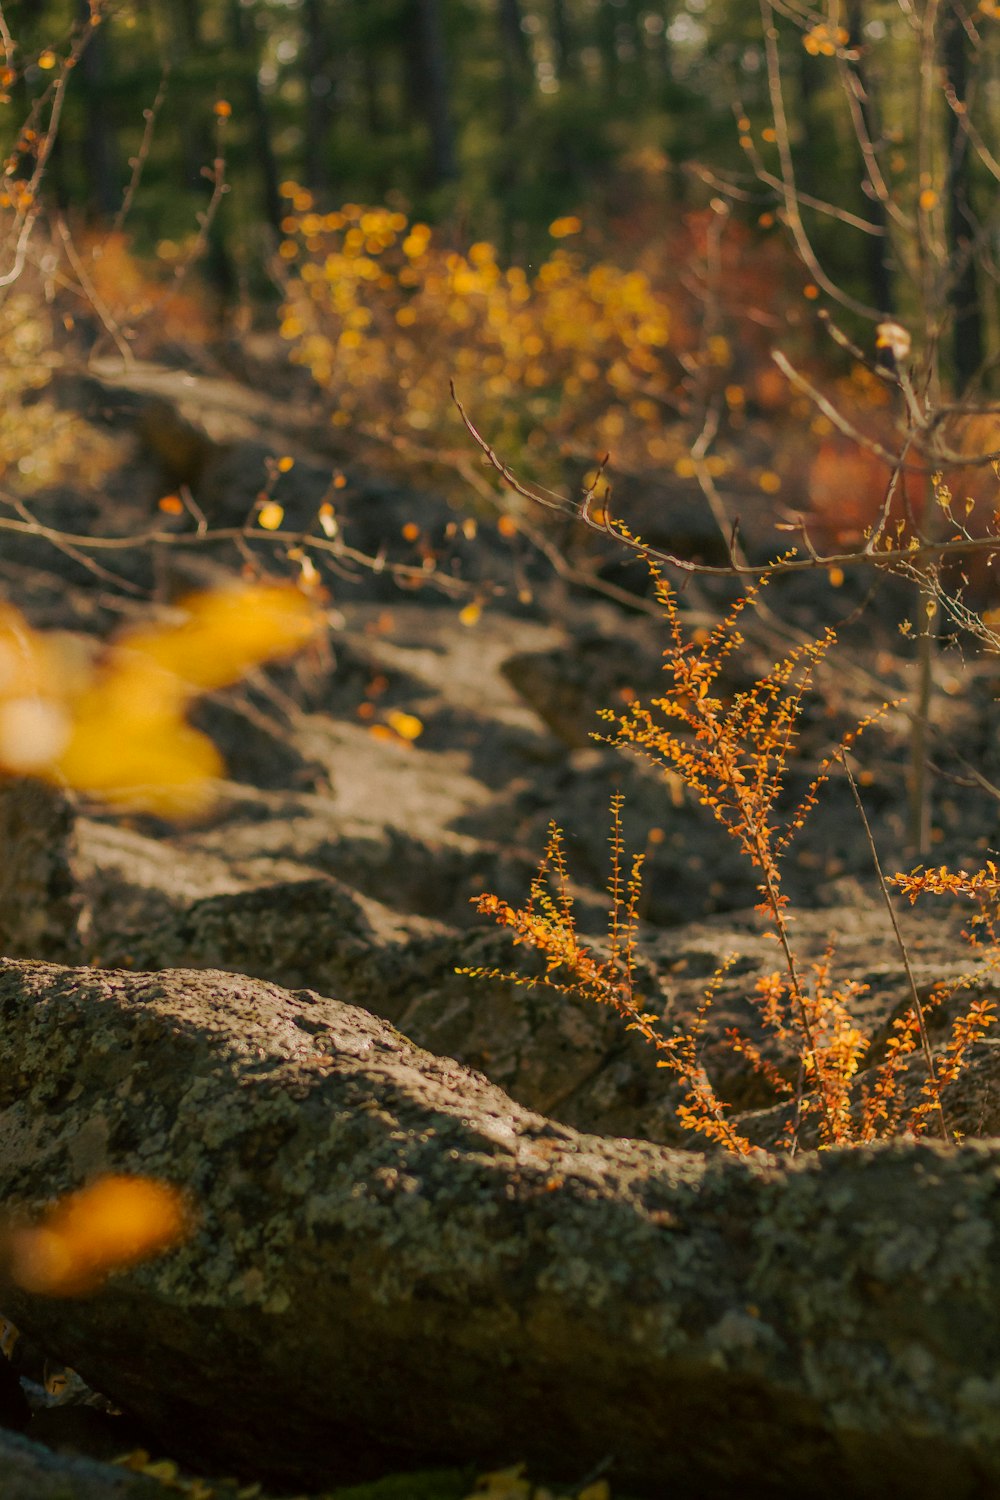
(384, 316)
(825, 41)
(114, 1223)
(115, 727)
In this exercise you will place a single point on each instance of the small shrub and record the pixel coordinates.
(734, 756)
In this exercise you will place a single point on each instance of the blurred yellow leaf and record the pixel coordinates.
(225, 633)
(114, 1223)
(117, 728)
(407, 726)
(270, 516)
(503, 1484)
(163, 1469)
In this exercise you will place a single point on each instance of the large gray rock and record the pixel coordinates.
(30, 1472)
(392, 1256)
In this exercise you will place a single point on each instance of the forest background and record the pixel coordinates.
(749, 251)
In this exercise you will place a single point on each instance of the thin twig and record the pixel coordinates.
(900, 943)
(892, 559)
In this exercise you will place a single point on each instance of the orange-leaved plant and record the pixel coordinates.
(733, 755)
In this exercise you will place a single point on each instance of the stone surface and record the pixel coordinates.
(29, 1471)
(392, 1257)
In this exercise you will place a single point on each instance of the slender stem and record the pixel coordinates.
(757, 829)
(917, 1007)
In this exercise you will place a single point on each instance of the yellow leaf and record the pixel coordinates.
(383, 732)
(470, 614)
(407, 726)
(129, 742)
(153, 762)
(33, 733)
(226, 632)
(163, 1469)
(503, 1484)
(271, 515)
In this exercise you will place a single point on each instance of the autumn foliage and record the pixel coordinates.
(115, 726)
(733, 753)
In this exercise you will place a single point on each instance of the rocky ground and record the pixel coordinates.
(342, 856)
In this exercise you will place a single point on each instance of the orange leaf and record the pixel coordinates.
(114, 1223)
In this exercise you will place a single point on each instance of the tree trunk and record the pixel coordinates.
(100, 165)
(245, 45)
(562, 37)
(320, 95)
(391, 1261)
(190, 13)
(430, 91)
(607, 32)
(967, 340)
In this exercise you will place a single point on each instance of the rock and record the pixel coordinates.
(340, 898)
(41, 901)
(393, 1258)
(33, 1472)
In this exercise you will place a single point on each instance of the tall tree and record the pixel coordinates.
(101, 157)
(567, 63)
(247, 48)
(607, 40)
(962, 227)
(430, 86)
(319, 89)
(516, 60)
